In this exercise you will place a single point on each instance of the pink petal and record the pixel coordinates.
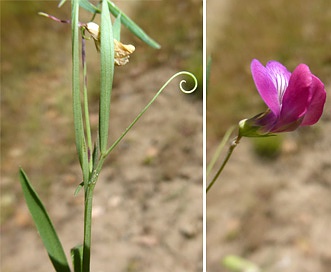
(267, 121)
(296, 98)
(265, 86)
(280, 77)
(315, 108)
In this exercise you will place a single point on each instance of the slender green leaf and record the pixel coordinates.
(86, 115)
(77, 258)
(85, 4)
(96, 153)
(107, 73)
(44, 226)
(61, 3)
(85, 163)
(77, 108)
(125, 20)
(132, 26)
(117, 28)
(76, 99)
(79, 187)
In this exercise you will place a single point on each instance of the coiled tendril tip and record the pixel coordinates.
(184, 81)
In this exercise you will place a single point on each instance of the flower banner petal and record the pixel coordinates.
(280, 77)
(265, 86)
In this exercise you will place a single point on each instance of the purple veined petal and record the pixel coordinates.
(286, 127)
(265, 86)
(266, 121)
(280, 77)
(317, 101)
(296, 97)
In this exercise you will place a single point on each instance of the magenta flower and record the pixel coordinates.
(293, 100)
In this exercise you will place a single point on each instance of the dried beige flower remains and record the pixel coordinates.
(122, 51)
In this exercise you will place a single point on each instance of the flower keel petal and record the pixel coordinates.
(317, 101)
(296, 98)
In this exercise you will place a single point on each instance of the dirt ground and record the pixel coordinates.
(147, 213)
(273, 212)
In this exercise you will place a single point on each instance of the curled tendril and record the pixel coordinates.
(151, 102)
(184, 81)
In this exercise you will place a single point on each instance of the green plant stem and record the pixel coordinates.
(87, 227)
(228, 155)
(219, 149)
(88, 214)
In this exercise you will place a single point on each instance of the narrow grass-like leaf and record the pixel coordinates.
(61, 3)
(125, 20)
(107, 73)
(132, 26)
(85, 163)
(85, 4)
(96, 153)
(77, 108)
(117, 28)
(77, 258)
(86, 112)
(76, 100)
(44, 226)
(79, 187)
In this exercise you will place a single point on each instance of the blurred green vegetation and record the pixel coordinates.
(268, 147)
(36, 117)
(290, 32)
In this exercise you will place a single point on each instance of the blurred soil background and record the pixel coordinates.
(148, 200)
(272, 203)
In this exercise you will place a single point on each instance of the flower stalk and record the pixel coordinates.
(233, 145)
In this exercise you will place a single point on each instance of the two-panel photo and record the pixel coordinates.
(165, 136)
